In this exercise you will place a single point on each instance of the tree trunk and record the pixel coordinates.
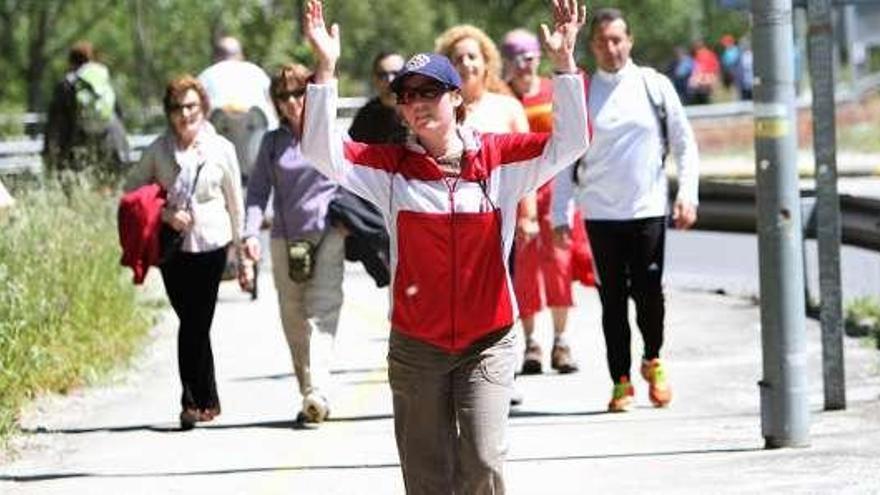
(37, 62)
(147, 79)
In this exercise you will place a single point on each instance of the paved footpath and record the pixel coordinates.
(123, 438)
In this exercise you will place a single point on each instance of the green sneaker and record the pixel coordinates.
(621, 396)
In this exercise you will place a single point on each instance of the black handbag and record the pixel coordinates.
(170, 240)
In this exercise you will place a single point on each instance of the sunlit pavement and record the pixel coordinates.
(123, 437)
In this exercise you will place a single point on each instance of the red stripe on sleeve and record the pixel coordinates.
(503, 149)
(379, 156)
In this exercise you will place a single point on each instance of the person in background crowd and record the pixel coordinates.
(84, 123)
(730, 54)
(543, 270)
(242, 108)
(488, 101)
(449, 196)
(199, 170)
(704, 77)
(378, 121)
(309, 308)
(745, 70)
(679, 72)
(623, 195)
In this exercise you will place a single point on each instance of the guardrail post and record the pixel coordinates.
(821, 46)
(784, 406)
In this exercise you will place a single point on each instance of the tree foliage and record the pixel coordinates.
(147, 41)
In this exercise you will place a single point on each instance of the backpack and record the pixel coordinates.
(658, 105)
(95, 98)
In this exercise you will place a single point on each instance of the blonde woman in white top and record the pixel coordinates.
(489, 103)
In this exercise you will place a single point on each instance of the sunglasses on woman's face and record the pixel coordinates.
(286, 95)
(180, 107)
(428, 92)
(386, 75)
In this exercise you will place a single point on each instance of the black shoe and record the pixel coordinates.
(516, 397)
(532, 359)
(189, 418)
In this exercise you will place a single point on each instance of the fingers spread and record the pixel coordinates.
(544, 33)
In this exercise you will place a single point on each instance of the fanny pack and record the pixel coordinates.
(301, 257)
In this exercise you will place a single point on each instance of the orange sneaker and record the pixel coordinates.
(621, 396)
(658, 390)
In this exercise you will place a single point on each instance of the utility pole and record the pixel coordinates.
(784, 407)
(821, 50)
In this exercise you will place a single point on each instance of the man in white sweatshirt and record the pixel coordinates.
(621, 189)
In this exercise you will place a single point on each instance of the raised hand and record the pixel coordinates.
(324, 42)
(568, 18)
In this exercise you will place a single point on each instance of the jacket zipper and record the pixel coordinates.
(451, 188)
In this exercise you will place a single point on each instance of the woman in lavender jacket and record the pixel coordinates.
(310, 309)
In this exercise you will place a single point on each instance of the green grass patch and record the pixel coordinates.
(862, 318)
(68, 311)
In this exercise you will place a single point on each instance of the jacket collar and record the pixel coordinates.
(472, 168)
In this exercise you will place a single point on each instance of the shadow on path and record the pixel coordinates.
(57, 476)
(286, 376)
(285, 424)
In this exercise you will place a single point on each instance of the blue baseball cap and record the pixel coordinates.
(432, 65)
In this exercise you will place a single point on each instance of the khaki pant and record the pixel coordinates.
(450, 413)
(310, 311)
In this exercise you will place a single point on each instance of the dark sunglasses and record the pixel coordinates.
(178, 107)
(386, 75)
(424, 93)
(286, 95)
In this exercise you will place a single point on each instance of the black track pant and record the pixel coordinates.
(191, 282)
(629, 263)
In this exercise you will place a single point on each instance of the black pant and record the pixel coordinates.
(629, 261)
(191, 282)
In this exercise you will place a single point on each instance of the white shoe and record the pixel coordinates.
(315, 409)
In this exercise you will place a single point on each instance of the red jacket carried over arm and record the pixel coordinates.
(139, 218)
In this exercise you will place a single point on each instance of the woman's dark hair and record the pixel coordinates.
(80, 53)
(605, 15)
(287, 75)
(177, 87)
(382, 55)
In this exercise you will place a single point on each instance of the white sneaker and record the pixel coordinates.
(315, 409)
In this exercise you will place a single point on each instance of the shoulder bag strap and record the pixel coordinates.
(659, 108)
(192, 187)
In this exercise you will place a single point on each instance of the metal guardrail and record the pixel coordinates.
(22, 155)
(730, 207)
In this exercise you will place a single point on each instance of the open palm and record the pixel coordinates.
(568, 18)
(324, 41)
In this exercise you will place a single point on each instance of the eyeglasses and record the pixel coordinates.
(286, 95)
(386, 75)
(179, 107)
(424, 93)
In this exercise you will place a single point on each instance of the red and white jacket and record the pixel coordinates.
(450, 236)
